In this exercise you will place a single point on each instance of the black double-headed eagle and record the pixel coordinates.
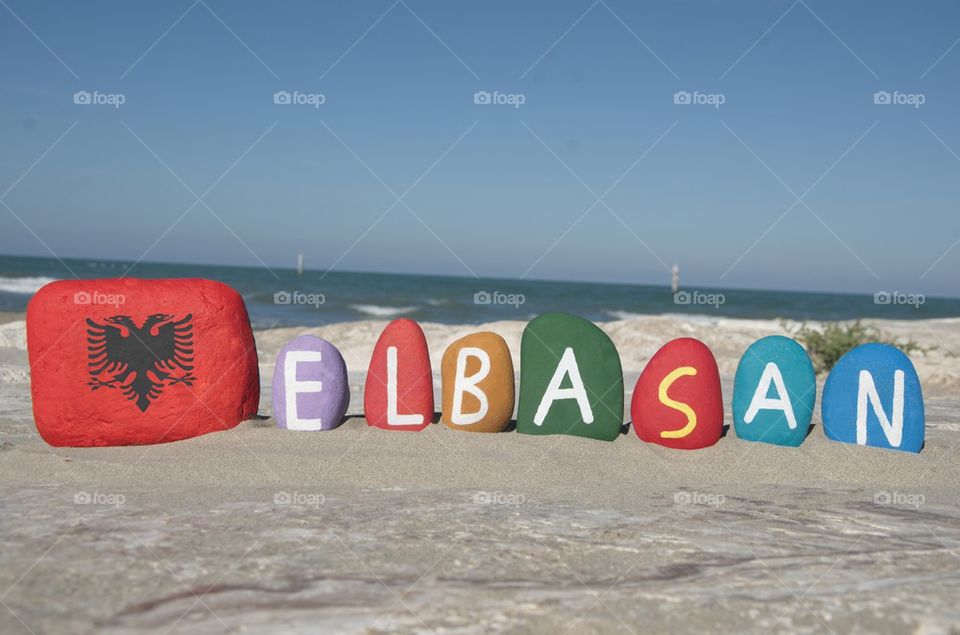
(140, 360)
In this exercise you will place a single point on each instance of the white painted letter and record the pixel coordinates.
(462, 384)
(393, 417)
(868, 390)
(760, 401)
(293, 387)
(567, 366)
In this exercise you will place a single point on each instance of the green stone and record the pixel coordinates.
(576, 363)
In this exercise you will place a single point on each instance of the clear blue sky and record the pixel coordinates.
(598, 83)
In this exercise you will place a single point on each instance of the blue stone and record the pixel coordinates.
(873, 397)
(774, 392)
(311, 389)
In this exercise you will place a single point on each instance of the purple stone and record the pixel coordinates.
(311, 390)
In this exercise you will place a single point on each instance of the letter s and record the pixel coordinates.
(665, 384)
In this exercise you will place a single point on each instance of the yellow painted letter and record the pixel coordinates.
(677, 405)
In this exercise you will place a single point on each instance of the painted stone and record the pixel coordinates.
(311, 390)
(478, 383)
(677, 401)
(872, 397)
(398, 394)
(571, 381)
(129, 362)
(774, 392)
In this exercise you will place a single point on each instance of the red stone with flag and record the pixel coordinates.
(125, 361)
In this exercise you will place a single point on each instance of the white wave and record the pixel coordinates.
(27, 285)
(623, 315)
(684, 317)
(382, 311)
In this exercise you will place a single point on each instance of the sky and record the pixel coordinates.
(796, 145)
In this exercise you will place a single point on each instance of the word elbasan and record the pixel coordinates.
(571, 382)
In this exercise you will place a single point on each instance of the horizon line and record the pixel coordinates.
(459, 277)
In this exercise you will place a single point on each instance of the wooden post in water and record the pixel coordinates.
(299, 264)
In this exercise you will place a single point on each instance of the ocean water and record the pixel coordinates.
(282, 298)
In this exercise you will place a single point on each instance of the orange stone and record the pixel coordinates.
(478, 389)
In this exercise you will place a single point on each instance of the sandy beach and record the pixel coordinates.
(182, 180)
(366, 531)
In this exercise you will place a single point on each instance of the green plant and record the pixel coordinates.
(828, 343)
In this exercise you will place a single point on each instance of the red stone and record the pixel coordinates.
(689, 396)
(414, 379)
(124, 361)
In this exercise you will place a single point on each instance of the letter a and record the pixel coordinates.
(760, 401)
(567, 366)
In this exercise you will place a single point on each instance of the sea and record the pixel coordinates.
(281, 297)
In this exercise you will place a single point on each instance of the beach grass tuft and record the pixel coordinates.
(829, 341)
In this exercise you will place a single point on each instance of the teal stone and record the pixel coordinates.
(873, 397)
(774, 392)
(571, 381)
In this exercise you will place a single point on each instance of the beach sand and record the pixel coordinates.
(363, 530)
